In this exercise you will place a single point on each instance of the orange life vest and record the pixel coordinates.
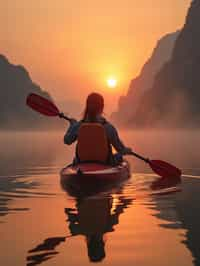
(92, 143)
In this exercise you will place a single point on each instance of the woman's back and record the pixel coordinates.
(92, 143)
(89, 136)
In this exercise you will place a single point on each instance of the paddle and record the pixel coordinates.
(44, 106)
(161, 168)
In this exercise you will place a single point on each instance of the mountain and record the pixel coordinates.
(173, 100)
(161, 54)
(16, 84)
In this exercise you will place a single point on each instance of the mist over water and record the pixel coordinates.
(145, 220)
(47, 148)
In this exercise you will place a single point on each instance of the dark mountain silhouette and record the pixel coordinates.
(174, 97)
(161, 54)
(16, 84)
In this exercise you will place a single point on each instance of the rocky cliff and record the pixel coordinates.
(15, 85)
(174, 97)
(161, 54)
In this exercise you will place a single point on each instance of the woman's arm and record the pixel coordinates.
(72, 133)
(116, 141)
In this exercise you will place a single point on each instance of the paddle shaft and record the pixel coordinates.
(61, 115)
(65, 117)
(140, 157)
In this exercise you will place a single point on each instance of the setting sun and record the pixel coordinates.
(112, 82)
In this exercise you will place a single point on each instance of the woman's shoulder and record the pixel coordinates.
(106, 123)
(109, 124)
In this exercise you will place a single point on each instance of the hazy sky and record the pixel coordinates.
(71, 47)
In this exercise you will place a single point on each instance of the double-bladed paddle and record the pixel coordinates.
(46, 107)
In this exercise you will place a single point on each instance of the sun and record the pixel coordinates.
(112, 82)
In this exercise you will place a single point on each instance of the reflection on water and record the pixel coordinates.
(144, 221)
(92, 218)
(47, 248)
(15, 188)
(187, 206)
(9, 186)
(23, 156)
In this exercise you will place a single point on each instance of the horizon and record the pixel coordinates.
(70, 59)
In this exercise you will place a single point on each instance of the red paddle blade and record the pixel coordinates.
(164, 169)
(41, 105)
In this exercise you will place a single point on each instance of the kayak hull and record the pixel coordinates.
(93, 177)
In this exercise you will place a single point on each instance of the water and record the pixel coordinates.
(144, 221)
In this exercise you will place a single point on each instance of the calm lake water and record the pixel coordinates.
(144, 221)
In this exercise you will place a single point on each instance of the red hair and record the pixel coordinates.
(94, 106)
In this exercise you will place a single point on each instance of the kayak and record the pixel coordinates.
(92, 177)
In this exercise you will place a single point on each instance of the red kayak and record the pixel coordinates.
(93, 177)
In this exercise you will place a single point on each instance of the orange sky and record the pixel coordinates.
(71, 47)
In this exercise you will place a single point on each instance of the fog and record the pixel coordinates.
(42, 149)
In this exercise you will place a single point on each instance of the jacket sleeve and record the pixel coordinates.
(116, 141)
(72, 133)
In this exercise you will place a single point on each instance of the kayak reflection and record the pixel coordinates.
(92, 218)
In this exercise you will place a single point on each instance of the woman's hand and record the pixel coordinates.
(127, 151)
(61, 115)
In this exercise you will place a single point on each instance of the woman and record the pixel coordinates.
(94, 114)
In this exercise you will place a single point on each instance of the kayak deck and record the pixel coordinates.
(93, 177)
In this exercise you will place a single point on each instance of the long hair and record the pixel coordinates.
(94, 106)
